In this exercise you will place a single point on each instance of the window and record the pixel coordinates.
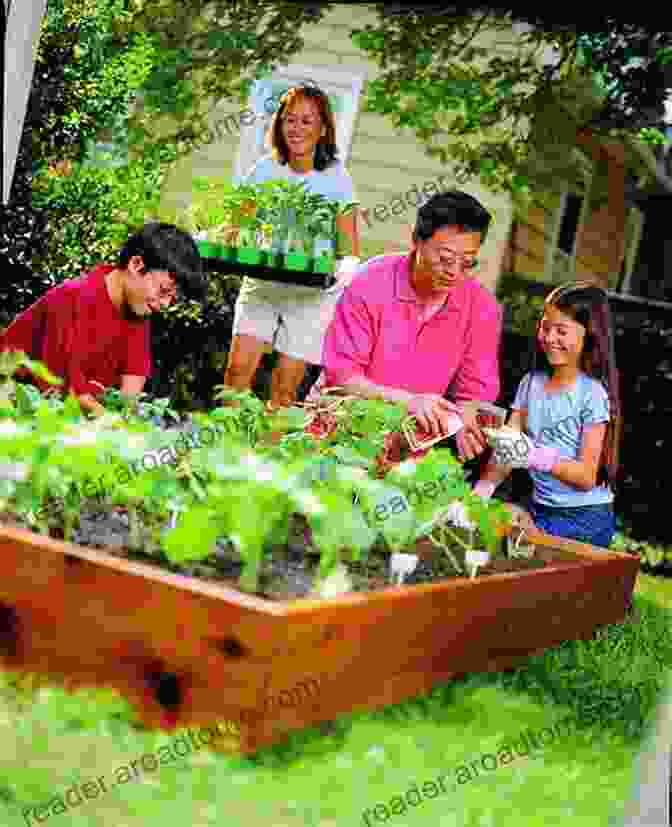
(571, 213)
(560, 249)
(343, 85)
(633, 235)
(569, 222)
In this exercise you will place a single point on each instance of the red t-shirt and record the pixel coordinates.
(81, 336)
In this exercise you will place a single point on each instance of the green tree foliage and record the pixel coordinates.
(211, 50)
(509, 118)
(85, 77)
(512, 118)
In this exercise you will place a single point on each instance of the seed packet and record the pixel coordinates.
(489, 415)
(419, 439)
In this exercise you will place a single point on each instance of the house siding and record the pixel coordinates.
(600, 237)
(384, 162)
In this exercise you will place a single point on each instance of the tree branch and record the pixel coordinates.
(477, 28)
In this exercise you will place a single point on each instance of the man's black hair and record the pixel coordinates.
(165, 247)
(451, 209)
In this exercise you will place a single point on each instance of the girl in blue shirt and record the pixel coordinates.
(565, 421)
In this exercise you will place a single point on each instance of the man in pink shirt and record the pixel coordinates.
(93, 331)
(414, 328)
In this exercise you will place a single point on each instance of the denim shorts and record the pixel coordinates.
(594, 524)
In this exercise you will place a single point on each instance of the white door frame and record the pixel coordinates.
(345, 82)
(19, 44)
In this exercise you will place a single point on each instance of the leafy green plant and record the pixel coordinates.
(93, 211)
(650, 555)
(12, 361)
(246, 488)
(525, 311)
(241, 205)
(283, 204)
(139, 406)
(244, 417)
(212, 209)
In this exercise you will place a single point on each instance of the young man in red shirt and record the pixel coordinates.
(93, 331)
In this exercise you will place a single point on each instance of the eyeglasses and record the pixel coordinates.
(168, 290)
(450, 260)
(168, 293)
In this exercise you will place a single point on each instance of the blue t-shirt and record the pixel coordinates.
(557, 418)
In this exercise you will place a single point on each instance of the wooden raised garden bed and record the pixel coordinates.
(190, 652)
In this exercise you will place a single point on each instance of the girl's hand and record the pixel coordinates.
(514, 448)
(510, 446)
(485, 489)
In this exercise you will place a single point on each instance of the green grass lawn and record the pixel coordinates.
(608, 686)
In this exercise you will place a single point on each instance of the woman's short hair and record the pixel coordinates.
(451, 209)
(165, 247)
(326, 150)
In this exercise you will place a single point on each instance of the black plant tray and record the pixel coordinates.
(261, 271)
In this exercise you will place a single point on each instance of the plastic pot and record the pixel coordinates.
(227, 252)
(208, 249)
(323, 264)
(275, 259)
(250, 255)
(297, 261)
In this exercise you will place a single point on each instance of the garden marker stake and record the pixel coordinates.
(401, 565)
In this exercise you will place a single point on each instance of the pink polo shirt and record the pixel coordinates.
(382, 331)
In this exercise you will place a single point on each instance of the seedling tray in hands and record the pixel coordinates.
(303, 278)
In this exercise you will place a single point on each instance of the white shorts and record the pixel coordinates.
(292, 319)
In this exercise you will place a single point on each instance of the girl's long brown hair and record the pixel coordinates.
(588, 305)
(326, 149)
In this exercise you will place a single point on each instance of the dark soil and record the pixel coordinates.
(289, 571)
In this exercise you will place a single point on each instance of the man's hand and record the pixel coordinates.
(471, 440)
(433, 413)
(88, 401)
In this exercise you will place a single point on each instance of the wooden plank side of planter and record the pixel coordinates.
(91, 618)
(395, 644)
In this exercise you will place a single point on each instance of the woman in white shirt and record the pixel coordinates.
(289, 318)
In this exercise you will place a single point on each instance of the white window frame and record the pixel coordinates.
(635, 219)
(345, 82)
(552, 249)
